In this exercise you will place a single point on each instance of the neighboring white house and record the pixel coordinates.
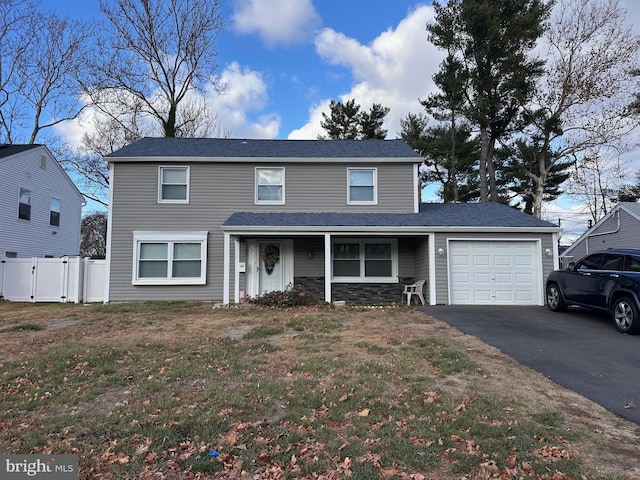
(40, 207)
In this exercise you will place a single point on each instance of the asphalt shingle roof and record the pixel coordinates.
(251, 148)
(6, 150)
(431, 215)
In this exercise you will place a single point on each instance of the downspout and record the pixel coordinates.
(604, 233)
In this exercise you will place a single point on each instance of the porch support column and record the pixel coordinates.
(225, 269)
(431, 241)
(236, 270)
(327, 267)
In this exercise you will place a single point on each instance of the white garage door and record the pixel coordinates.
(494, 272)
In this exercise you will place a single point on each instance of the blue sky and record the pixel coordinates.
(283, 61)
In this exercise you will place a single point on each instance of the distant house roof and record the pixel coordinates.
(472, 215)
(8, 149)
(153, 148)
(632, 208)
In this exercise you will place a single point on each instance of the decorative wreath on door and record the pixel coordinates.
(270, 256)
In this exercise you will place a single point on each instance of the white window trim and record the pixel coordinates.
(169, 237)
(255, 182)
(30, 204)
(162, 200)
(51, 199)
(362, 279)
(375, 186)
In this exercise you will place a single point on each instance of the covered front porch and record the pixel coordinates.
(360, 267)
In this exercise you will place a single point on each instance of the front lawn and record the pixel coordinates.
(184, 390)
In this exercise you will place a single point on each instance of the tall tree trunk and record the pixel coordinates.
(491, 171)
(453, 169)
(540, 181)
(484, 155)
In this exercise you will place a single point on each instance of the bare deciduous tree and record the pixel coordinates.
(43, 57)
(582, 101)
(596, 181)
(157, 55)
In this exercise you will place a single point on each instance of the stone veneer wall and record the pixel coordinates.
(361, 293)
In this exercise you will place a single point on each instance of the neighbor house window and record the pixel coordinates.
(173, 185)
(24, 204)
(362, 186)
(11, 254)
(269, 185)
(54, 212)
(177, 258)
(366, 260)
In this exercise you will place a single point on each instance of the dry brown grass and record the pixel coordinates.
(609, 446)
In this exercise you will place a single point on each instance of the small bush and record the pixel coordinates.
(293, 296)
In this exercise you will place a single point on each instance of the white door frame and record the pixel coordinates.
(254, 263)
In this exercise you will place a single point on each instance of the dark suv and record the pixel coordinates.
(607, 280)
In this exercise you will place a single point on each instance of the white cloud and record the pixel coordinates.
(245, 92)
(277, 22)
(394, 70)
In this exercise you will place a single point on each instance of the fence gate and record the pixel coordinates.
(66, 279)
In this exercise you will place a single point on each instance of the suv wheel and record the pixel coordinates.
(625, 315)
(555, 302)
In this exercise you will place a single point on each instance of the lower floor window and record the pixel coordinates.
(170, 258)
(364, 260)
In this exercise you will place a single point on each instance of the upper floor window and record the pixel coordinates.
(173, 185)
(269, 185)
(54, 212)
(178, 258)
(24, 204)
(362, 186)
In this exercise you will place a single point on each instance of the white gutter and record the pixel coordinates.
(603, 233)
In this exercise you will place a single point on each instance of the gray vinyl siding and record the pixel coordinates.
(35, 237)
(441, 271)
(421, 262)
(303, 265)
(608, 235)
(216, 191)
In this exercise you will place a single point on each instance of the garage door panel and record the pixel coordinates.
(504, 278)
(481, 260)
(481, 278)
(462, 278)
(525, 296)
(461, 260)
(524, 279)
(494, 272)
(505, 296)
(482, 296)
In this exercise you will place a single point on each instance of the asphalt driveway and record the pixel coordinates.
(577, 349)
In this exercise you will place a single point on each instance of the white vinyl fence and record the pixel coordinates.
(66, 279)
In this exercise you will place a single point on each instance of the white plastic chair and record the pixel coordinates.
(414, 289)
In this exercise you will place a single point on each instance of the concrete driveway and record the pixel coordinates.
(577, 349)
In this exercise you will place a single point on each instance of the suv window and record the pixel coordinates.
(612, 262)
(632, 264)
(592, 262)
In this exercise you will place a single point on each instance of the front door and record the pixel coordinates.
(270, 261)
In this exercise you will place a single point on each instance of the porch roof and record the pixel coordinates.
(466, 215)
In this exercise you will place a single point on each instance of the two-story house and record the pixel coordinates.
(222, 219)
(40, 207)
